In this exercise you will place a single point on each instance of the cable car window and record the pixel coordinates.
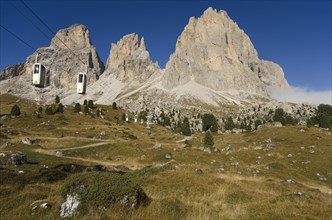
(36, 69)
(80, 78)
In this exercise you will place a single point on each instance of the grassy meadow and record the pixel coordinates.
(273, 173)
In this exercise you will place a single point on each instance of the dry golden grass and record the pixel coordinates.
(236, 192)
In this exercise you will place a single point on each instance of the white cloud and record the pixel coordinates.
(301, 95)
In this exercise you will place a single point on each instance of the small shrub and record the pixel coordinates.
(54, 108)
(85, 102)
(40, 110)
(48, 110)
(15, 110)
(60, 108)
(86, 110)
(52, 175)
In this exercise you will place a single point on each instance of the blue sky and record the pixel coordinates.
(294, 34)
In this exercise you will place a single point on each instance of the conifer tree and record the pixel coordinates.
(57, 99)
(114, 106)
(208, 140)
(77, 108)
(185, 128)
(15, 111)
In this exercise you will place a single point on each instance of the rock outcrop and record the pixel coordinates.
(213, 51)
(70, 52)
(130, 60)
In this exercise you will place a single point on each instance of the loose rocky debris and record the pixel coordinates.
(290, 181)
(45, 205)
(321, 177)
(252, 171)
(171, 165)
(40, 204)
(208, 150)
(298, 193)
(157, 146)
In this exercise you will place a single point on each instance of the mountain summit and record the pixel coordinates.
(130, 59)
(214, 52)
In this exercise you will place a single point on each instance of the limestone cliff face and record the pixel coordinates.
(70, 52)
(130, 60)
(12, 71)
(213, 51)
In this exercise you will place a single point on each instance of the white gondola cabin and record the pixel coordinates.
(81, 83)
(39, 72)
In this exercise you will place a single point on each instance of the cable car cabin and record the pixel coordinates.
(39, 73)
(81, 83)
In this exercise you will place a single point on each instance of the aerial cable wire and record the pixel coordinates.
(17, 37)
(26, 17)
(50, 29)
(86, 64)
(27, 44)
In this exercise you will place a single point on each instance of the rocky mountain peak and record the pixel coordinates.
(62, 63)
(130, 59)
(75, 37)
(214, 52)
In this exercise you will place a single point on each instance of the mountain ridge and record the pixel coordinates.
(214, 63)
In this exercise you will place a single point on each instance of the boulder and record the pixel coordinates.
(28, 141)
(69, 208)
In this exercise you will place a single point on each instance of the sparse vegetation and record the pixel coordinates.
(272, 173)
